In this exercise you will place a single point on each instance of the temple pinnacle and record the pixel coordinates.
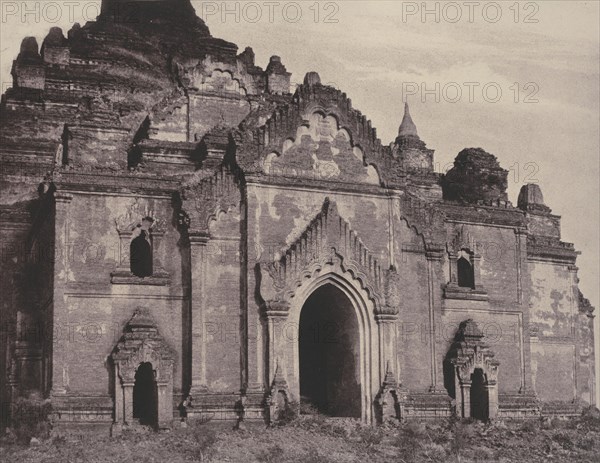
(407, 127)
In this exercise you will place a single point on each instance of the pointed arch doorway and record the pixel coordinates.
(357, 305)
(329, 354)
(346, 343)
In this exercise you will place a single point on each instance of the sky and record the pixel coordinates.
(519, 79)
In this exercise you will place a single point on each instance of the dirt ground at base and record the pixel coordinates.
(321, 440)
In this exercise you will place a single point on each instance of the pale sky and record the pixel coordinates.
(550, 51)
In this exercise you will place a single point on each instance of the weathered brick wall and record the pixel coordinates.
(554, 316)
(503, 318)
(97, 147)
(198, 115)
(222, 313)
(586, 379)
(553, 371)
(278, 216)
(498, 269)
(96, 310)
(502, 332)
(414, 342)
(552, 299)
(93, 240)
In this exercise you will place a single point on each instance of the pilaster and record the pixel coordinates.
(523, 302)
(434, 257)
(199, 259)
(275, 314)
(60, 372)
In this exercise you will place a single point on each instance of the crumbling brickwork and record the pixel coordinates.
(259, 197)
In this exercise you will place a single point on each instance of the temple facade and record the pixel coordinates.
(184, 235)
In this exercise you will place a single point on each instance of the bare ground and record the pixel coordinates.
(320, 440)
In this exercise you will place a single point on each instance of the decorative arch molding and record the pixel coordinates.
(468, 353)
(202, 200)
(283, 124)
(210, 77)
(320, 149)
(426, 220)
(463, 240)
(220, 81)
(141, 343)
(329, 241)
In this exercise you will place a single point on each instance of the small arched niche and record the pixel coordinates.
(471, 374)
(143, 365)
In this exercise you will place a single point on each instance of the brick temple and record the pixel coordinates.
(184, 234)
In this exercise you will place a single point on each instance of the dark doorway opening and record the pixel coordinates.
(145, 396)
(329, 355)
(479, 396)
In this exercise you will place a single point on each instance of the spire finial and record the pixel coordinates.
(407, 127)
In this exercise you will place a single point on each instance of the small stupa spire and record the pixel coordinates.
(407, 127)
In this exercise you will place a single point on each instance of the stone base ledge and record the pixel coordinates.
(426, 405)
(453, 291)
(214, 406)
(160, 278)
(561, 409)
(519, 405)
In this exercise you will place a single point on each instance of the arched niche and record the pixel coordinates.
(140, 345)
(471, 374)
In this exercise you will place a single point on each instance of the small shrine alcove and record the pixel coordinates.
(143, 373)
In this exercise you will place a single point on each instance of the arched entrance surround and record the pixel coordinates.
(330, 253)
(368, 361)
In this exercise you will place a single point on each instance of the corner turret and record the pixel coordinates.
(540, 220)
(55, 48)
(409, 149)
(531, 199)
(28, 69)
(278, 79)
